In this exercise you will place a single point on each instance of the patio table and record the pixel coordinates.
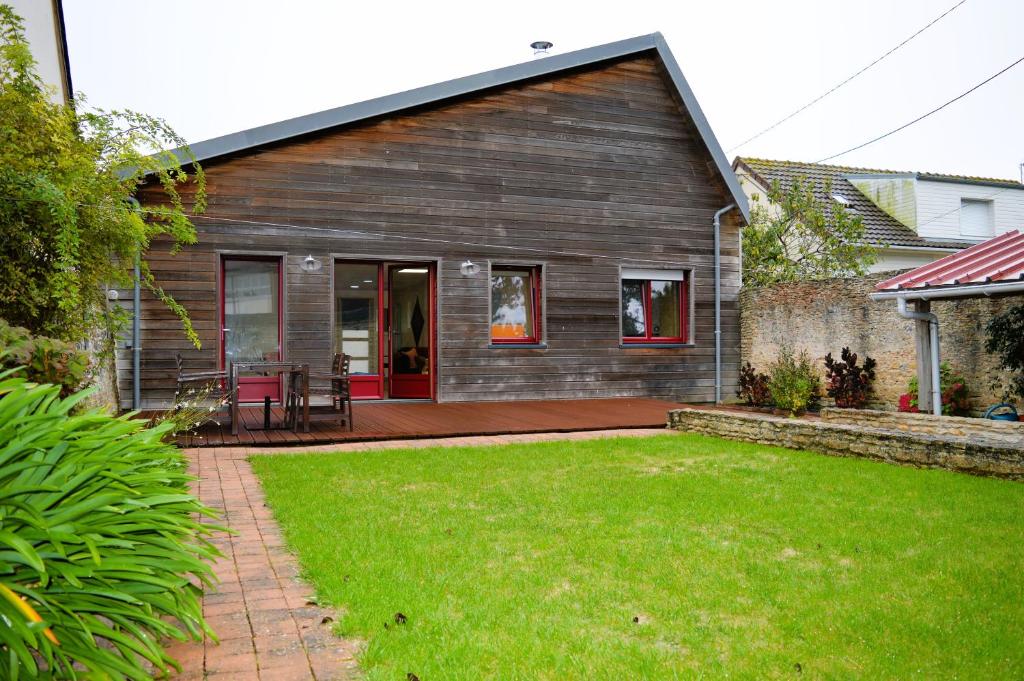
(273, 367)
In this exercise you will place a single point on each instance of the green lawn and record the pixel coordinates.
(657, 558)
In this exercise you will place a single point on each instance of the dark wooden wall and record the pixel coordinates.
(601, 163)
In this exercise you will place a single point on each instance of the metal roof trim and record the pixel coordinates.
(992, 261)
(246, 140)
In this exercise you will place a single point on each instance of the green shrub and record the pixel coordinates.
(793, 382)
(102, 554)
(42, 360)
(1006, 340)
(955, 395)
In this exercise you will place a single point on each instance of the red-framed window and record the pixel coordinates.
(515, 304)
(656, 307)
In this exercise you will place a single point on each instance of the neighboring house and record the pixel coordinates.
(583, 186)
(44, 29)
(914, 218)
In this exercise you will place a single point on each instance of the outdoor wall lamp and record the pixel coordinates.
(311, 264)
(469, 268)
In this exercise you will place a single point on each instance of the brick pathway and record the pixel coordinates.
(268, 628)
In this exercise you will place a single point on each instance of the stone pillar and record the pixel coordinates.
(923, 345)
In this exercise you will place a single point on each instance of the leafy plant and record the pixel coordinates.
(845, 382)
(753, 387)
(42, 360)
(952, 385)
(191, 410)
(793, 382)
(1006, 339)
(102, 554)
(68, 177)
(800, 236)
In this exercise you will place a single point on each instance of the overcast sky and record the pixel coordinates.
(212, 67)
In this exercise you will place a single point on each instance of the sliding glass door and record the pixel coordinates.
(383, 319)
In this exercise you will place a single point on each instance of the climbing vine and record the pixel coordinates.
(69, 224)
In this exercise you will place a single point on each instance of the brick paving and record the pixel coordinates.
(261, 610)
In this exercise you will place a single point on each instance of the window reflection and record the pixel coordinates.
(513, 301)
(634, 317)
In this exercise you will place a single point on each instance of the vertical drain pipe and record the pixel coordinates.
(136, 324)
(136, 334)
(718, 300)
(933, 332)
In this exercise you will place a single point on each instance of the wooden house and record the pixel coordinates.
(545, 230)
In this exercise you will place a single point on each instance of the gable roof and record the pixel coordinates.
(478, 83)
(998, 261)
(880, 228)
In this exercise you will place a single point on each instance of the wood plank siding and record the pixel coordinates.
(601, 163)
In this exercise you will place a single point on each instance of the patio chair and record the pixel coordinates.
(334, 385)
(216, 380)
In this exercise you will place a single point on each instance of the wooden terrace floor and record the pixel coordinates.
(413, 420)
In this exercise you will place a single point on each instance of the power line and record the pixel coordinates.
(924, 116)
(836, 87)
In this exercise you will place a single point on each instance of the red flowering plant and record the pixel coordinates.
(955, 395)
(908, 403)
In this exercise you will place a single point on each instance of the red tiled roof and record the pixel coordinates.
(997, 260)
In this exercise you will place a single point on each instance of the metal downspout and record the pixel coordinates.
(136, 349)
(136, 323)
(718, 300)
(933, 332)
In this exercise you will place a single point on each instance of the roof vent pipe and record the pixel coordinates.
(718, 300)
(933, 331)
(541, 47)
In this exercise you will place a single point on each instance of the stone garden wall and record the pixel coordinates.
(954, 426)
(824, 316)
(979, 455)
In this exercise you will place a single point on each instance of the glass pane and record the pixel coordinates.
(665, 309)
(511, 305)
(634, 320)
(251, 311)
(410, 328)
(355, 315)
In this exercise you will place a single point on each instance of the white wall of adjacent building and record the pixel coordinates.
(41, 30)
(950, 210)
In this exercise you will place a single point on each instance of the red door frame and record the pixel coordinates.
(271, 385)
(412, 380)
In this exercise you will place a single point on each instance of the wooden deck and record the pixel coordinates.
(412, 420)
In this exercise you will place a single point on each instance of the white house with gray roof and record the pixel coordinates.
(914, 218)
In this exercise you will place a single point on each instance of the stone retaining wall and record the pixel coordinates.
(955, 426)
(823, 316)
(966, 454)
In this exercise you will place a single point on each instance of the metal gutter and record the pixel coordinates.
(929, 249)
(928, 177)
(939, 293)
